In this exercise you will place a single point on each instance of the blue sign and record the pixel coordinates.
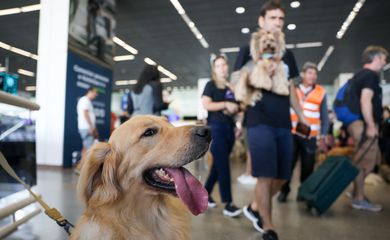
(82, 74)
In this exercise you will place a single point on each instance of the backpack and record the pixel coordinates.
(347, 104)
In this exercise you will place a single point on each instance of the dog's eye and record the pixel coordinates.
(149, 132)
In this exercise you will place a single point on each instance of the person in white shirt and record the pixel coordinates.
(86, 119)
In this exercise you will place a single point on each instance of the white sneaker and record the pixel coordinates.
(247, 179)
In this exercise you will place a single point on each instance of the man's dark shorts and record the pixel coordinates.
(271, 151)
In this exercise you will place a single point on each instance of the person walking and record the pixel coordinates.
(218, 100)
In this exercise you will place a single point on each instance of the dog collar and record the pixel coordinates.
(267, 56)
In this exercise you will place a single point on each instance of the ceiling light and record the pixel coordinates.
(229, 50)
(295, 4)
(167, 73)
(350, 18)
(31, 8)
(18, 51)
(165, 80)
(123, 58)
(291, 26)
(125, 45)
(31, 88)
(189, 23)
(325, 57)
(245, 30)
(150, 61)
(290, 46)
(386, 67)
(240, 10)
(125, 82)
(28, 8)
(178, 6)
(26, 72)
(308, 45)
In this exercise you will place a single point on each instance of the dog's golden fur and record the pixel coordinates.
(119, 204)
(260, 73)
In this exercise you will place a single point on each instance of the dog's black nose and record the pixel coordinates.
(203, 132)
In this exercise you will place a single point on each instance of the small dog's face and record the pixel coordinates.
(146, 153)
(267, 44)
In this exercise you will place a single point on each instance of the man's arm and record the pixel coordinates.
(367, 112)
(324, 117)
(294, 102)
(88, 119)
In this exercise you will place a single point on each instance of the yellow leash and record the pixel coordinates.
(51, 212)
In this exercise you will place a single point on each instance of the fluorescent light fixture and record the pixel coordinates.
(325, 57)
(189, 23)
(150, 61)
(18, 51)
(245, 30)
(29, 8)
(308, 45)
(229, 50)
(167, 73)
(386, 67)
(26, 72)
(295, 4)
(240, 10)
(291, 26)
(123, 58)
(125, 45)
(290, 46)
(304, 45)
(165, 80)
(125, 82)
(350, 18)
(5, 46)
(31, 88)
(178, 6)
(160, 68)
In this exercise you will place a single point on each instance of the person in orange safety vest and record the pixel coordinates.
(312, 98)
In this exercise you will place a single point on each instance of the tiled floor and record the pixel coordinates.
(292, 220)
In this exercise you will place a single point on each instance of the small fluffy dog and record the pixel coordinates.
(131, 185)
(266, 70)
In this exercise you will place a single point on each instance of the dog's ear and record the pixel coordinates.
(255, 45)
(98, 183)
(279, 36)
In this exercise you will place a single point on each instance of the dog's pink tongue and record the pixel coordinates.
(189, 189)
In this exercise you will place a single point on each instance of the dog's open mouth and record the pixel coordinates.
(181, 183)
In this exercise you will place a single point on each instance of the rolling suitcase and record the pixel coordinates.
(324, 185)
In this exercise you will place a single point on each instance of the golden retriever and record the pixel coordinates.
(130, 185)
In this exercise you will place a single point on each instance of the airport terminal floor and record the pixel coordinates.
(292, 220)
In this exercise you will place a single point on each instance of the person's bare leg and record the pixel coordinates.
(276, 186)
(248, 167)
(263, 200)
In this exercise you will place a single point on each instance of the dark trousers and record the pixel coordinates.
(304, 149)
(221, 147)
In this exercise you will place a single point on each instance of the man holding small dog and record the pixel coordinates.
(269, 129)
(312, 98)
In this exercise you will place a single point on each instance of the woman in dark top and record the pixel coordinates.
(146, 95)
(218, 100)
